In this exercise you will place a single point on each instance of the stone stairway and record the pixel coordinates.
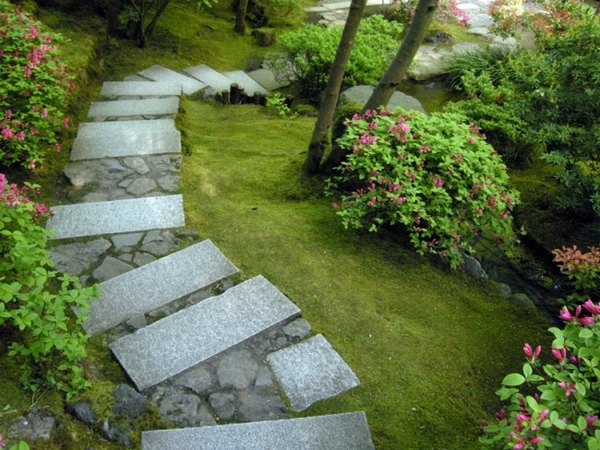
(203, 346)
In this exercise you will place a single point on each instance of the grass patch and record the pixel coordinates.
(430, 347)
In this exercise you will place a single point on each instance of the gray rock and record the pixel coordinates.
(198, 380)
(223, 404)
(473, 267)
(137, 322)
(311, 371)
(118, 216)
(161, 248)
(126, 256)
(138, 164)
(83, 411)
(37, 424)
(237, 369)
(184, 409)
(153, 236)
(348, 431)
(521, 301)
(298, 329)
(114, 434)
(504, 289)
(254, 407)
(268, 79)
(201, 331)
(360, 94)
(141, 259)
(129, 402)
(169, 183)
(466, 48)
(264, 379)
(126, 240)
(77, 258)
(110, 268)
(141, 186)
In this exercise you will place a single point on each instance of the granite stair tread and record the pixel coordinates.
(90, 130)
(127, 143)
(210, 77)
(140, 88)
(116, 216)
(199, 332)
(347, 431)
(157, 284)
(128, 108)
(189, 85)
(246, 83)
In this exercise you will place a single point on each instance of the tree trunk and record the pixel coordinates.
(390, 81)
(410, 45)
(321, 133)
(240, 17)
(159, 10)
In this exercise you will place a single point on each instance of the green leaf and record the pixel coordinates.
(527, 370)
(513, 379)
(586, 333)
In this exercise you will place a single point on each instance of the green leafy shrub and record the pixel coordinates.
(276, 104)
(42, 310)
(475, 63)
(433, 175)
(312, 48)
(34, 90)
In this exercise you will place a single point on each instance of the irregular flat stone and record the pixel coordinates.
(126, 108)
(117, 216)
(311, 371)
(156, 284)
(348, 431)
(210, 77)
(246, 83)
(139, 88)
(110, 268)
(267, 79)
(126, 144)
(76, 258)
(192, 335)
(157, 73)
(360, 94)
(141, 186)
(92, 130)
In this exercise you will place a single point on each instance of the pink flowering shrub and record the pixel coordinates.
(43, 310)
(554, 405)
(34, 90)
(582, 269)
(434, 175)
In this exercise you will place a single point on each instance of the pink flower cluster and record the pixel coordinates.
(11, 195)
(586, 321)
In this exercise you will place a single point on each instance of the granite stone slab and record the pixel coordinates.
(92, 130)
(348, 431)
(267, 79)
(195, 334)
(311, 371)
(246, 83)
(127, 108)
(157, 284)
(126, 144)
(158, 73)
(140, 88)
(210, 77)
(117, 216)
(136, 78)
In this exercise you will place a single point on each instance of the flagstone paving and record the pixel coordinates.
(134, 108)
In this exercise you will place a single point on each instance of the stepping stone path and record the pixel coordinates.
(202, 345)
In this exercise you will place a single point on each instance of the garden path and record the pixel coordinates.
(203, 346)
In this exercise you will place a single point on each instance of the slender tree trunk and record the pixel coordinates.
(240, 17)
(390, 81)
(321, 136)
(410, 45)
(159, 10)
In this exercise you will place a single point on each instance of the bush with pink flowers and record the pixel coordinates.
(34, 90)
(435, 176)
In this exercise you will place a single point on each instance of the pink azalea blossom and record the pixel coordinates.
(44, 113)
(530, 353)
(425, 149)
(31, 164)
(438, 182)
(587, 321)
(7, 133)
(591, 307)
(591, 422)
(20, 136)
(560, 354)
(566, 315)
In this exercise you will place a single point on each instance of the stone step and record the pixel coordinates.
(210, 77)
(157, 284)
(125, 144)
(246, 83)
(117, 216)
(136, 78)
(195, 334)
(348, 431)
(311, 371)
(140, 88)
(158, 73)
(91, 130)
(125, 108)
(267, 79)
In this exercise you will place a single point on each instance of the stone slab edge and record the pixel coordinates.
(141, 88)
(125, 108)
(92, 130)
(158, 73)
(132, 145)
(347, 431)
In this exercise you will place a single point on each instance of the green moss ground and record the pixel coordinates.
(429, 346)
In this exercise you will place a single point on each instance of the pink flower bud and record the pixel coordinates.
(543, 415)
(591, 422)
(591, 307)
(566, 315)
(587, 321)
(560, 354)
(528, 351)
(536, 440)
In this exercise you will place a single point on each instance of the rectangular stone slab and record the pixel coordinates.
(195, 334)
(267, 79)
(124, 108)
(348, 431)
(91, 130)
(311, 371)
(117, 216)
(126, 144)
(156, 284)
(210, 77)
(158, 73)
(140, 88)
(246, 83)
